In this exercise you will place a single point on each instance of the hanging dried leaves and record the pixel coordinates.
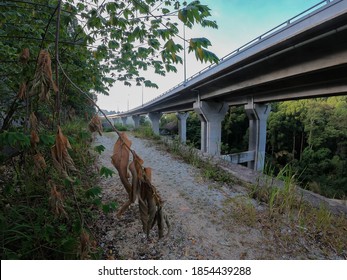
(40, 162)
(34, 124)
(95, 125)
(22, 91)
(34, 128)
(151, 206)
(43, 80)
(150, 202)
(120, 159)
(24, 56)
(34, 139)
(56, 200)
(62, 161)
(85, 244)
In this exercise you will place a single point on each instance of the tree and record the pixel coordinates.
(109, 40)
(311, 135)
(234, 132)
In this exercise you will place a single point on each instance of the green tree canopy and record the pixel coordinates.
(100, 42)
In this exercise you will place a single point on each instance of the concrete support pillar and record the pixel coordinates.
(124, 121)
(211, 115)
(203, 139)
(257, 114)
(182, 126)
(155, 117)
(136, 119)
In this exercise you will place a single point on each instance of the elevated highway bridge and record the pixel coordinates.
(305, 57)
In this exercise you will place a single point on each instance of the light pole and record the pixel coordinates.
(184, 53)
(142, 94)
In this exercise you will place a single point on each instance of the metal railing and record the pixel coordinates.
(243, 48)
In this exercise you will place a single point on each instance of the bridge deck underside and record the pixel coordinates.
(297, 73)
(309, 63)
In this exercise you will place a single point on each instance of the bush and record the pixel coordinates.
(43, 215)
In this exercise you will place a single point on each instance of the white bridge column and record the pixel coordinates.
(136, 119)
(124, 121)
(257, 114)
(155, 117)
(211, 115)
(182, 126)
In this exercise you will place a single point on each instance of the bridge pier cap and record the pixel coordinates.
(211, 115)
(155, 118)
(258, 115)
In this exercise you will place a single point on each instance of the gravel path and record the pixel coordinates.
(200, 226)
(207, 219)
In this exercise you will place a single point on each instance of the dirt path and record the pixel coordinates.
(203, 225)
(200, 228)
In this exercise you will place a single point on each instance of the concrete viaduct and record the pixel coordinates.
(305, 57)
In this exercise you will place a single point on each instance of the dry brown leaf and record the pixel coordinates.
(85, 244)
(34, 139)
(151, 206)
(147, 207)
(95, 125)
(56, 200)
(120, 159)
(24, 56)
(62, 160)
(34, 124)
(39, 161)
(150, 202)
(22, 91)
(43, 80)
(135, 169)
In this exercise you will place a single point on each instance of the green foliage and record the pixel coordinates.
(107, 208)
(99, 149)
(14, 139)
(146, 132)
(104, 171)
(134, 35)
(234, 131)
(193, 130)
(312, 136)
(43, 215)
(120, 127)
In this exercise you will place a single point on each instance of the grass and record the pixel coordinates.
(145, 132)
(287, 209)
(242, 210)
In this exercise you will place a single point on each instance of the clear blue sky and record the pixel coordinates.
(239, 22)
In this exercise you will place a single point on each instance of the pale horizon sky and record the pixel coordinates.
(239, 21)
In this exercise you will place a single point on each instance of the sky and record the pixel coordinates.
(239, 21)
